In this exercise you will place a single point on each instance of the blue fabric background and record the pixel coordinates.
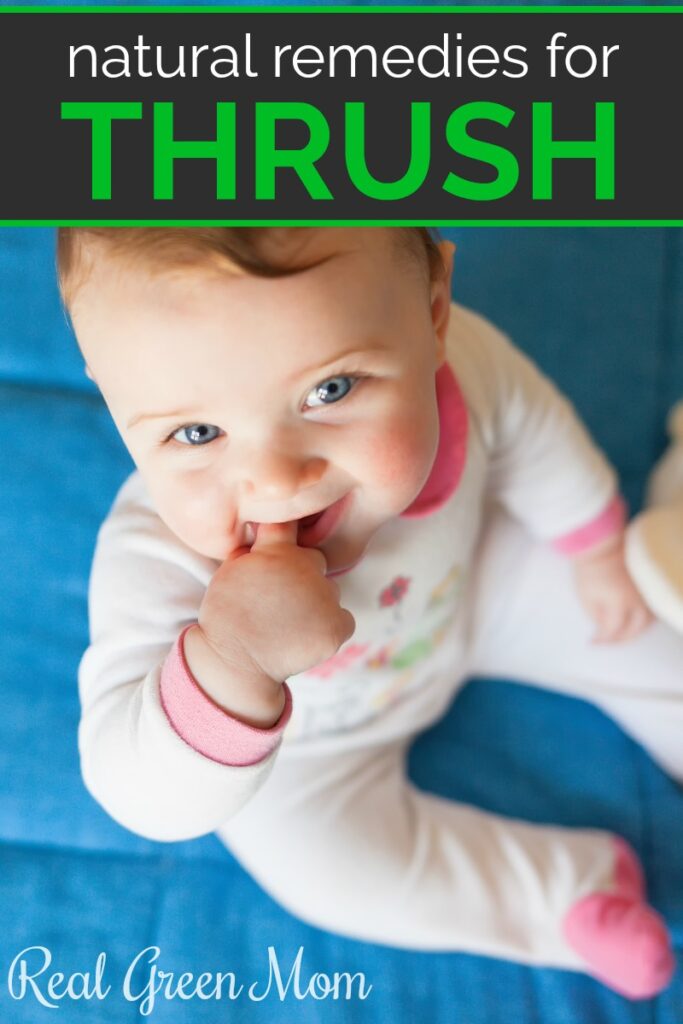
(602, 310)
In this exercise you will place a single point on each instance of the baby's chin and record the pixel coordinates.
(344, 553)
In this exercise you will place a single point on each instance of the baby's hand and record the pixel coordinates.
(609, 595)
(272, 610)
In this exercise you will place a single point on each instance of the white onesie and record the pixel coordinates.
(434, 598)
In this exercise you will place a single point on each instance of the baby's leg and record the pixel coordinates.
(529, 626)
(344, 841)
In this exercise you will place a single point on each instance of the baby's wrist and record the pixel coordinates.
(241, 690)
(604, 550)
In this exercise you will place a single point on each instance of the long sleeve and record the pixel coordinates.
(543, 466)
(141, 755)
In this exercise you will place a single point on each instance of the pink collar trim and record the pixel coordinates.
(451, 454)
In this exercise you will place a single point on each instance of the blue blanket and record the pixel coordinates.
(602, 311)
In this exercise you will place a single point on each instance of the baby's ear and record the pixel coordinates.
(441, 300)
(447, 254)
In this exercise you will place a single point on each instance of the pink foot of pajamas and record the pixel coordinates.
(622, 939)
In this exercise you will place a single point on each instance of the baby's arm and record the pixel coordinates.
(182, 692)
(145, 587)
(549, 474)
(162, 756)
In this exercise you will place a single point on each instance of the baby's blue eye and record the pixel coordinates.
(330, 390)
(197, 434)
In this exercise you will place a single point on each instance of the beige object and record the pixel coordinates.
(654, 540)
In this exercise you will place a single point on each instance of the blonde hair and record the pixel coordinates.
(264, 252)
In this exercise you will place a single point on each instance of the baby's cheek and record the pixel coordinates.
(402, 456)
(194, 509)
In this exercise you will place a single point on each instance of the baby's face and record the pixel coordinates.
(249, 400)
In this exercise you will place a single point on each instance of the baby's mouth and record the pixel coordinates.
(311, 530)
(308, 521)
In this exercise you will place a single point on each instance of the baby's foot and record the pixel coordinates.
(623, 940)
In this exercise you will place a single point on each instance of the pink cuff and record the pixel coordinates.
(610, 521)
(207, 727)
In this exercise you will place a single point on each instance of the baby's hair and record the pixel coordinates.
(264, 252)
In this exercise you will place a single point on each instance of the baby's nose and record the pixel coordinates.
(274, 474)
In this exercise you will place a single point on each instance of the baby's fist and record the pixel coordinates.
(609, 595)
(273, 607)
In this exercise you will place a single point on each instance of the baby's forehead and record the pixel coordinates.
(320, 283)
(274, 253)
(188, 319)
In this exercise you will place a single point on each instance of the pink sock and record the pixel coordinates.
(622, 939)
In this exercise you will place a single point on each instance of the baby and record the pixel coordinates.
(351, 494)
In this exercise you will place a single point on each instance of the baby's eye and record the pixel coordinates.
(330, 390)
(196, 433)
